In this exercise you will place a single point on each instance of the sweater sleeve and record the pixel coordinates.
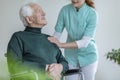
(61, 60)
(15, 60)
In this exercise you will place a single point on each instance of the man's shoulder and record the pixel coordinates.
(15, 37)
(17, 33)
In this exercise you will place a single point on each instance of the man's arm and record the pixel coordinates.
(61, 60)
(55, 69)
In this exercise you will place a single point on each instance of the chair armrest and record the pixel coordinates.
(72, 71)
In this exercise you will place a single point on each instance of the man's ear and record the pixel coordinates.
(28, 20)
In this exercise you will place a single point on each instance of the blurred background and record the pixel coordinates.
(107, 35)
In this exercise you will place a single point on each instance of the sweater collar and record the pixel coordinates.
(33, 29)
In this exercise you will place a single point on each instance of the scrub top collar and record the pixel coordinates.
(81, 8)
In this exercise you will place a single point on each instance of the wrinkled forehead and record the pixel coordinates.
(35, 7)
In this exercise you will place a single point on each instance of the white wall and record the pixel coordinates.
(106, 37)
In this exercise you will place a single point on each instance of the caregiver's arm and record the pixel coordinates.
(76, 44)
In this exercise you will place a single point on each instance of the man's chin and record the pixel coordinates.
(44, 24)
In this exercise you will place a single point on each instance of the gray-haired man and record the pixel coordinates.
(30, 49)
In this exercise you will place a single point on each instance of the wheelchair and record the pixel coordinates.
(32, 75)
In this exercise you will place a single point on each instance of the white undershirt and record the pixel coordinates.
(80, 43)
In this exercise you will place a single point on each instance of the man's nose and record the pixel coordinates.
(43, 13)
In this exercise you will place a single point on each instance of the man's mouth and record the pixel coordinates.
(43, 17)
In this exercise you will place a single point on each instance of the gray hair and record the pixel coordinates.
(25, 10)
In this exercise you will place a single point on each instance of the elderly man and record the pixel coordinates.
(31, 50)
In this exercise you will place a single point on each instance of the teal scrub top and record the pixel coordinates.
(78, 24)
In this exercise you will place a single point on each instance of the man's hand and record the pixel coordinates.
(54, 70)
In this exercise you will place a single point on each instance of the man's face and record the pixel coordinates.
(77, 3)
(38, 15)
